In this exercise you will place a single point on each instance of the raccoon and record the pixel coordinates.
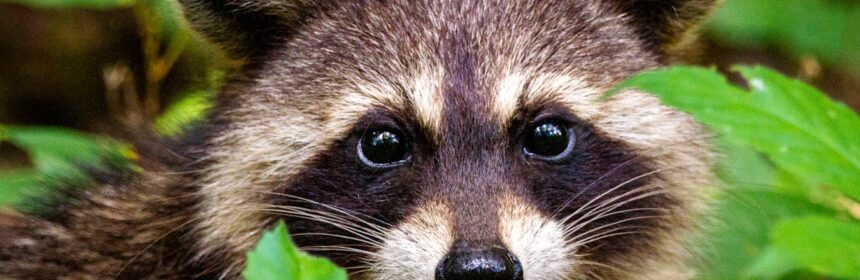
(416, 139)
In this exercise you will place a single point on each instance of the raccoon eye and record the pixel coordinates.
(383, 148)
(549, 140)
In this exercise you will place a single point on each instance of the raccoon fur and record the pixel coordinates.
(408, 139)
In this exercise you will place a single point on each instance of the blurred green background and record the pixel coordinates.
(75, 73)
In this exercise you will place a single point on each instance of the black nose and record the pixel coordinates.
(483, 264)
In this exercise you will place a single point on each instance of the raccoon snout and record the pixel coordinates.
(494, 263)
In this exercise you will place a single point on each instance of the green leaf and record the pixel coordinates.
(810, 149)
(276, 258)
(60, 152)
(813, 136)
(316, 268)
(61, 4)
(167, 17)
(18, 184)
(772, 264)
(800, 129)
(743, 167)
(183, 112)
(745, 217)
(58, 155)
(822, 244)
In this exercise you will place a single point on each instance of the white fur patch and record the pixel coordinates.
(508, 92)
(414, 248)
(538, 242)
(529, 88)
(427, 99)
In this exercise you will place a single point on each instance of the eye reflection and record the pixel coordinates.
(381, 148)
(549, 140)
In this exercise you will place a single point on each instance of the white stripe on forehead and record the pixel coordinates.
(427, 99)
(422, 96)
(521, 89)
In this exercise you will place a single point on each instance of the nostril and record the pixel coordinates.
(486, 264)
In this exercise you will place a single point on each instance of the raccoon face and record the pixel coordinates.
(453, 139)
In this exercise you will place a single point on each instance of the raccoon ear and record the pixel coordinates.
(246, 28)
(666, 23)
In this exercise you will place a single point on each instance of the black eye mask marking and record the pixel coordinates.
(600, 187)
(343, 202)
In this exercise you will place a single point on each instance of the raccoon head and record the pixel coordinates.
(453, 139)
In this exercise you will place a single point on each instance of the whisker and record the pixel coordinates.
(595, 276)
(592, 275)
(593, 183)
(607, 208)
(604, 234)
(610, 203)
(146, 248)
(614, 233)
(336, 248)
(357, 270)
(687, 140)
(577, 237)
(584, 262)
(571, 230)
(597, 198)
(370, 238)
(327, 214)
(332, 235)
(335, 208)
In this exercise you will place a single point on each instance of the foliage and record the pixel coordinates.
(821, 243)
(181, 113)
(63, 155)
(795, 212)
(276, 257)
(164, 11)
(57, 154)
(62, 4)
(807, 134)
(826, 29)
